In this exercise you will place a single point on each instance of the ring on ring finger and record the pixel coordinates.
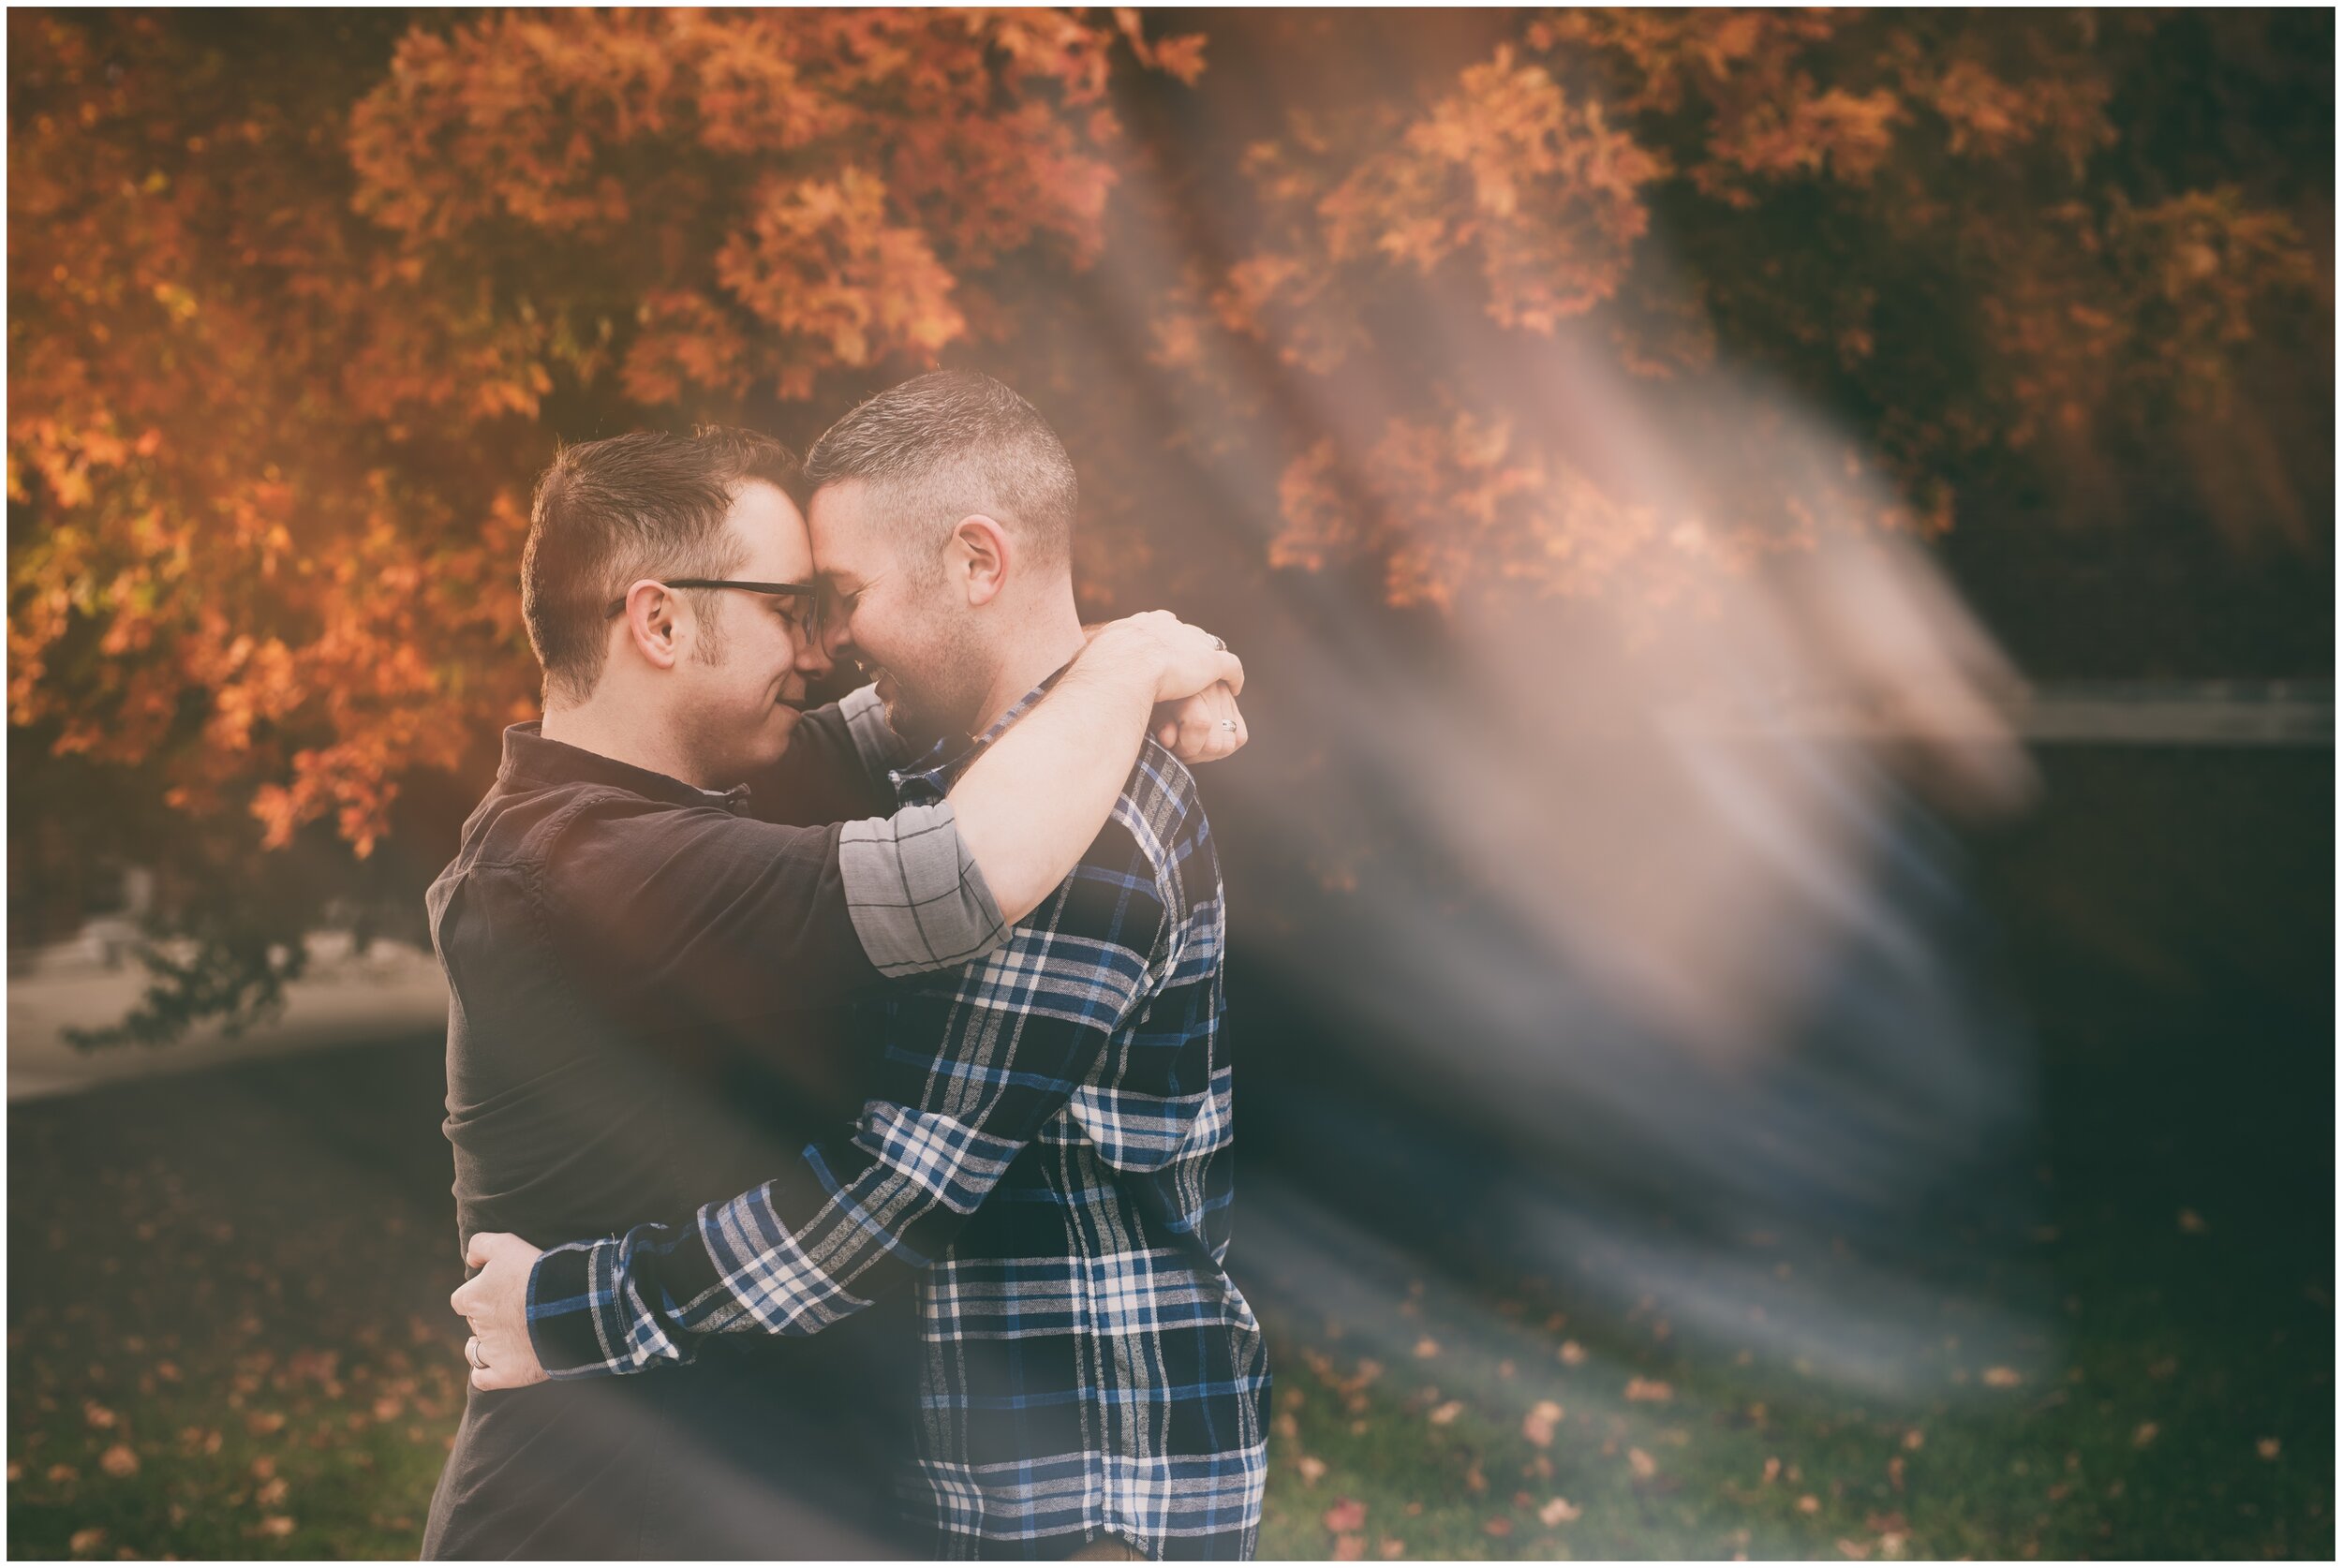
(471, 1353)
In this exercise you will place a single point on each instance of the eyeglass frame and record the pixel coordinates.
(790, 590)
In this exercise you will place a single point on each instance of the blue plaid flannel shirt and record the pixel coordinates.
(1048, 1162)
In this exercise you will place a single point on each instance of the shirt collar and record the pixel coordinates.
(943, 764)
(530, 759)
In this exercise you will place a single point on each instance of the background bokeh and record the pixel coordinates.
(1707, 1087)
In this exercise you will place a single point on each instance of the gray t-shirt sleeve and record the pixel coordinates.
(917, 898)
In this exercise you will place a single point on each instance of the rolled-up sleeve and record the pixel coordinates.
(670, 915)
(917, 898)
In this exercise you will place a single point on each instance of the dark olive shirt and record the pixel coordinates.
(648, 1008)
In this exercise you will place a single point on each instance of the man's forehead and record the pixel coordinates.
(840, 544)
(770, 524)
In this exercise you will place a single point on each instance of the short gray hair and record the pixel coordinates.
(951, 443)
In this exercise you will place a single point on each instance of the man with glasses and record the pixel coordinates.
(648, 966)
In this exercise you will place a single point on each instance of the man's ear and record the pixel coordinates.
(979, 554)
(651, 622)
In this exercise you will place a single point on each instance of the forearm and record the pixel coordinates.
(1032, 802)
(791, 1257)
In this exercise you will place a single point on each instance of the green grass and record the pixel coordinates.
(228, 1333)
(2140, 1435)
(238, 1280)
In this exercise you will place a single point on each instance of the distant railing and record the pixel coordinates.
(2284, 713)
(2180, 713)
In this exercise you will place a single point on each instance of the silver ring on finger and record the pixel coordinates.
(1219, 647)
(1229, 725)
(471, 1353)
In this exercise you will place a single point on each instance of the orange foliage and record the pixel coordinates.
(288, 344)
(281, 351)
(1907, 152)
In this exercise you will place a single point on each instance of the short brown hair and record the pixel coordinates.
(951, 443)
(646, 504)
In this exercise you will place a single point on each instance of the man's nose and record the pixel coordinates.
(836, 639)
(813, 655)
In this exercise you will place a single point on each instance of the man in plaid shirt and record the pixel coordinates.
(1047, 1154)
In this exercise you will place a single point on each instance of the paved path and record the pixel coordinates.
(344, 1000)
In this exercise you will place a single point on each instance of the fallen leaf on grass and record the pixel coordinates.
(59, 1474)
(1809, 1503)
(1426, 1348)
(1349, 1548)
(97, 1414)
(269, 1495)
(261, 1423)
(1347, 1514)
(1894, 1473)
(1648, 1391)
(279, 1525)
(1572, 1353)
(2191, 1223)
(119, 1461)
(1538, 1424)
(1498, 1528)
(1643, 1465)
(1393, 1549)
(2267, 1448)
(1312, 1470)
(1560, 1511)
(1448, 1413)
(1914, 1438)
(1855, 1549)
(2002, 1376)
(86, 1540)
(2145, 1435)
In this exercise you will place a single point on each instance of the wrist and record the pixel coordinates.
(1125, 656)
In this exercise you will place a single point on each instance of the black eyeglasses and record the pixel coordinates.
(788, 590)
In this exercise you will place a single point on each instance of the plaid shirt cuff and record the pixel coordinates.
(874, 739)
(573, 1315)
(916, 896)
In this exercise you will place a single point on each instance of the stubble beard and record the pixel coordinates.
(944, 704)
